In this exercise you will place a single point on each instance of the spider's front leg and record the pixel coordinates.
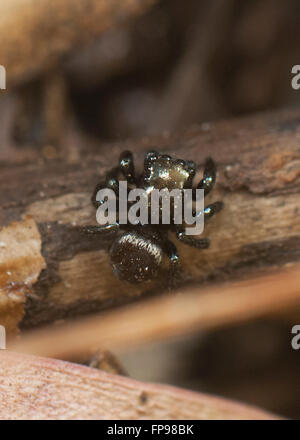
(209, 177)
(111, 182)
(126, 167)
(212, 209)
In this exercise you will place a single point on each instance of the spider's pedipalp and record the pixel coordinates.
(126, 165)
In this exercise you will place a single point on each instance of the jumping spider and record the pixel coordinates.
(137, 251)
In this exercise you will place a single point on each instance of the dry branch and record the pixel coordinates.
(259, 180)
(38, 388)
(35, 35)
(165, 317)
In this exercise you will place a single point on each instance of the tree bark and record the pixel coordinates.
(50, 270)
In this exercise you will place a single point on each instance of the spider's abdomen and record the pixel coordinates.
(135, 258)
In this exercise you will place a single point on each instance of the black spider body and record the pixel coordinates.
(137, 252)
(137, 256)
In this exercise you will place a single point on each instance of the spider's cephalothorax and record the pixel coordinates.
(161, 171)
(137, 251)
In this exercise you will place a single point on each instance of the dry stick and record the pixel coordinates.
(38, 388)
(258, 180)
(167, 316)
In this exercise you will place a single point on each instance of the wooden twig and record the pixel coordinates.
(165, 317)
(38, 388)
(258, 162)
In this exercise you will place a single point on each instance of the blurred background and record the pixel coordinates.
(174, 65)
(160, 70)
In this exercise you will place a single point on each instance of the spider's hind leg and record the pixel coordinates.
(199, 243)
(174, 263)
(108, 230)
